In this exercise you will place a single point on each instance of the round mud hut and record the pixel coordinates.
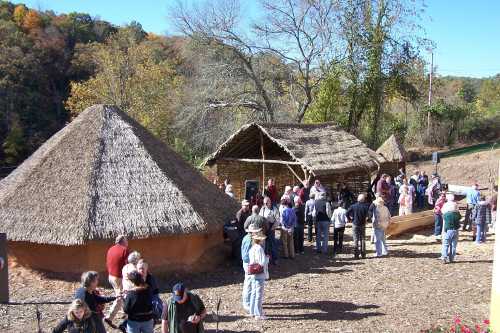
(395, 156)
(103, 175)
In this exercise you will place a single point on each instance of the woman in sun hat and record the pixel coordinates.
(258, 272)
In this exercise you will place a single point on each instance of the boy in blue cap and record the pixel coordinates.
(184, 313)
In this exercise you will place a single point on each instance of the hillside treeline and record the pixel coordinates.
(345, 62)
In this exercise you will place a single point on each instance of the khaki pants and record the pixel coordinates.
(288, 248)
(116, 283)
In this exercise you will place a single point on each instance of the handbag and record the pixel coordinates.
(255, 268)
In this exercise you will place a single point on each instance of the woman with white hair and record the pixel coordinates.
(381, 220)
(451, 224)
(133, 259)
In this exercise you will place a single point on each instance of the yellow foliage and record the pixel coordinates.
(129, 77)
(19, 14)
(32, 20)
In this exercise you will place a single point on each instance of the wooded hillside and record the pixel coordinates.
(194, 89)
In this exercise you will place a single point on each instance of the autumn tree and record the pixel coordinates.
(131, 74)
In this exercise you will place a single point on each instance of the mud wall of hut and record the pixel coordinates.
(239, 172)
(166, 254)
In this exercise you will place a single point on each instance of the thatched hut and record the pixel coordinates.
(104, 175)
(394, 154)
(290, 153)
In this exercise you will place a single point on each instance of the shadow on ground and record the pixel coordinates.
(329, 311)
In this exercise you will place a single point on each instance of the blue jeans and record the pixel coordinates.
(247, 288)
(438, 224)
(256, 296)
(140, 326)
(480, 233)
(322, 238)
(450, 241)
(380, 244)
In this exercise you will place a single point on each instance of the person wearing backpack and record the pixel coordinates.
(381, 219)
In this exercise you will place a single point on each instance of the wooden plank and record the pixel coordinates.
(256, 160)
(263, 164)
(294, 173)
(402, 224)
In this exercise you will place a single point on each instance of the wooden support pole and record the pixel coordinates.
(263, 164)
(256, 160)
(4, 272)
(294, 173)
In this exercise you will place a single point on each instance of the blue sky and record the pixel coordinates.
(466, 32)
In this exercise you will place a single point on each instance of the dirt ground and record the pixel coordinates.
(479, 166)
(407, 291)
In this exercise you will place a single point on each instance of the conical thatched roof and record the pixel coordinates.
(102, 175)
(320, 148)
(392, 150)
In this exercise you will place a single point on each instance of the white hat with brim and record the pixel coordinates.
(253, 229)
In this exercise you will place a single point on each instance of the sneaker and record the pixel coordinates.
(260, 317)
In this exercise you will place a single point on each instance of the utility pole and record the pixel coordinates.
(430, 96)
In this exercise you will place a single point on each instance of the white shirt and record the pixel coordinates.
(258, 256)
(338, 218)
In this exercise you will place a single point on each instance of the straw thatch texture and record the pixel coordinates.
(102, 175)
(392, 150)
(320, 148)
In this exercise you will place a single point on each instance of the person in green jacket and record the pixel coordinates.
(184, 313)
(451, 221)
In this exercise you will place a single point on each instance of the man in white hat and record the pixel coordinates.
(246, 244)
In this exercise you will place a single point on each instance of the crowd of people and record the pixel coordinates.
(255, 246)
(312, 207)
(136, 295)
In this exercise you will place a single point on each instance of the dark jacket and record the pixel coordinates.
(241, 217)
(86, 325)
(321, 210)
(451, 221)
(359, 213)
(92, 300)
(138, 304)
(299, 213)
(153, 286)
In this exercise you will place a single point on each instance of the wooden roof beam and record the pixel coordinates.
(256, 160)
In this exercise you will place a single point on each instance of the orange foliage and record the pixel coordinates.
(32, 21)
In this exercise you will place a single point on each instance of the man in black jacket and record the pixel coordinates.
(358, 214)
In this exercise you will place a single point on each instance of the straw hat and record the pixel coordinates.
(252, 228)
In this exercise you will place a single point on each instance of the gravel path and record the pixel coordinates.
(408, 291)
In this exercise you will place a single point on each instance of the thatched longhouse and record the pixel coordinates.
(394, 155)
(290, 153)
(104, 175)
